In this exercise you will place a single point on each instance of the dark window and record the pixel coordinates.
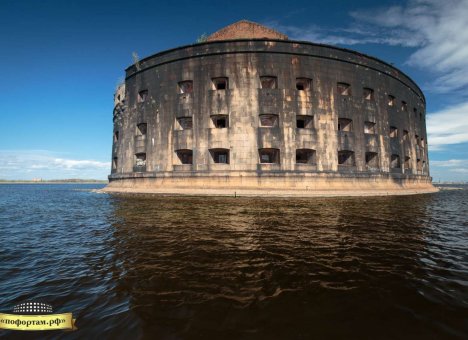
(116, 136)
(305, 122)
(141, 129)
(220, 155)
(185, 123)
(416, 140)
(186, 86)
(220, 83)
(220, 121)
(303, 84)
(418, 164)
(142, 95)
(369, 128)
(393, 132)
(185, 156)
(407, 163)
(372, 160)
(140, 159)
(405, 134)
(305, 156)
(268, 120)
(395, 161)
(346, 157)
(269, 82)
(367, 93)
(391, 100)
(422, 142)
(344, 89)
(269, 155)
(404, 106)
(415, 110)
(114, 163)
(345, 124)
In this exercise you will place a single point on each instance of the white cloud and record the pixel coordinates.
(452, 170)
(437, 29)
(461, 170)
(354, 35)
(441, 37)
(28, 164)
(451, 163)
(448, 126)
(80, 164)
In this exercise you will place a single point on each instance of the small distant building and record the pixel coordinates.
(251, 111)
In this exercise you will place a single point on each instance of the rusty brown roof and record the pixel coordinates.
(245, 29)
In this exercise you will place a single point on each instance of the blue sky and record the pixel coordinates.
(61, 61)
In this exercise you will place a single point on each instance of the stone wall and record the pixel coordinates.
(309, 84)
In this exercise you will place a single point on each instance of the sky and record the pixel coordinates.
(61, 61)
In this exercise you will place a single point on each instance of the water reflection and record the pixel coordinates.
(191, 267)
(246, 267)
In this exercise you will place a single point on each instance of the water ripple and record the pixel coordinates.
(211, 267)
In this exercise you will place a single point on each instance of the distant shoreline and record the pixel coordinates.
(442, 186)
(55, 182)
(449, 183)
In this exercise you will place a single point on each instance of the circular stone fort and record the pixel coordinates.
(250, 112)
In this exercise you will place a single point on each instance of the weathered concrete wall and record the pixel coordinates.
(243, 62)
